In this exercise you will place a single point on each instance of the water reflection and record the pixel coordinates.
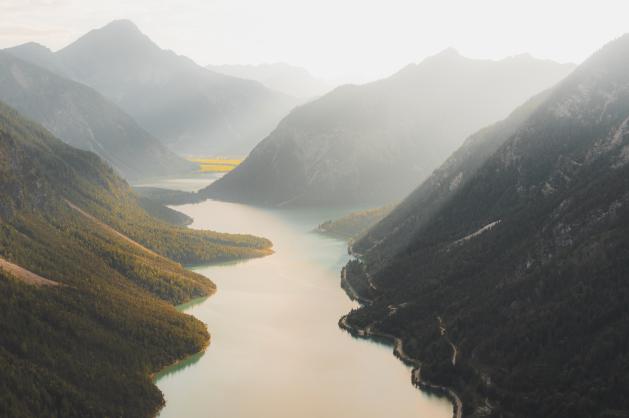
(194, 302)
(180, 365)
(276, 350)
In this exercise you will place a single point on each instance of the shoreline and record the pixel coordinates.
(398, 350)
(206, 344)
(350, 291)
(189, 267)
(257, 253)
(153, 376)
(367, 333)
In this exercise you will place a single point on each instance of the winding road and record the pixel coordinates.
(444, 334)
(24, 275)
(398, 346)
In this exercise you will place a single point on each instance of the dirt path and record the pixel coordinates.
(111, 230)
(24, 275)
(444, 334)
(367, 275)
(351, 292)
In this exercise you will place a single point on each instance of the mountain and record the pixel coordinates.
(41, 56)
(372, 144)
(84, 119)
(191, 109)
(505, 273)
(88, 282)
(354, 224)
(404, 220)
(288, 79)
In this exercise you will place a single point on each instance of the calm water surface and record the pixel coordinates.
(186, 184)
(276, 349)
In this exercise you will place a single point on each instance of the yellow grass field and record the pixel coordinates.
(216, 165)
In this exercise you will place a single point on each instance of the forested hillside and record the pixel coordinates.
(82, 340)
(512, 288)
(354, 224)
(397, 229)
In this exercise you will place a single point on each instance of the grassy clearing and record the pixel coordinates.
(216, 165)
(216, 168)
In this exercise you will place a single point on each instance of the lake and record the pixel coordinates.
(276, 349)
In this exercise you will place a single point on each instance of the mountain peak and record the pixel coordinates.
(117, 34)
(30, 51)
(447, 56)
(522, 56)
(122, 30)
(612, 57)
(39, 55)
(31, 46)
(118, 40)
(448, 53)
(119, 25)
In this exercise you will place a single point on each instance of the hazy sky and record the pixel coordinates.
(332, 38)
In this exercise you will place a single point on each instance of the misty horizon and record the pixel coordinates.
(314, 209)
(239, 33)
(332, 82)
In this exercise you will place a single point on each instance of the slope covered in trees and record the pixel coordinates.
(354, 224)
(86, 347)
(511, 287)
(373, 143)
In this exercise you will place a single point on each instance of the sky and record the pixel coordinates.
(348, 40)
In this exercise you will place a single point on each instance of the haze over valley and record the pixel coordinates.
(226, 229)
(372, 144)
(191, 109)
(288, 79)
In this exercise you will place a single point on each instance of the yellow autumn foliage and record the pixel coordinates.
(216, 165)
(216, 168)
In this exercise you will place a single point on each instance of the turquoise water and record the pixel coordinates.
(276, 350)
(187, 184)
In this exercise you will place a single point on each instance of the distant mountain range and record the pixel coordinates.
(192, 109)
(288, 79)
(41, 56)
(375, 142)
(506, 271)
(82, 117)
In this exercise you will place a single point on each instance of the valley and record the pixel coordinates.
(370, 145)
(303, 209)
(514, 245)
(275, 339)
(88, 282)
